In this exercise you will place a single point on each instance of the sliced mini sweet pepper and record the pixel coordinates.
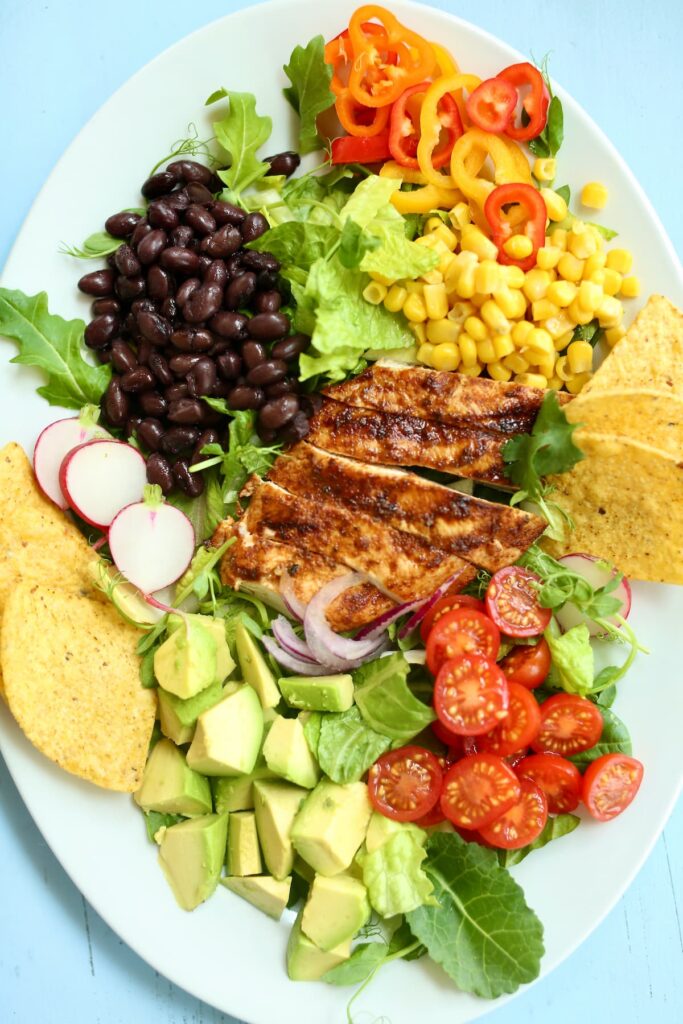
(373, 81)
(358, 120)
(531, 201)
(430, 128)
(535, 103)
(349, 149)
(469, 156)
(404, 132)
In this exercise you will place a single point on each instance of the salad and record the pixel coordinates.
(337, 445)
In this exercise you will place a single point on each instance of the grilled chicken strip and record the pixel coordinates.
(482, 532)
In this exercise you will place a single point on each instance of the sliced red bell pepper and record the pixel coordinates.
(404, 130)
(349, 149)
(492, 104)
(535, 104)
(531, 200)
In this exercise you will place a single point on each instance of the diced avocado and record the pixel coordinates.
(306, 962)
(318, 693)
(237, 793)
(244, 855)
(170, 787)
(191, 855)
(268, 894)
(178, 717)
(287, 753)
(186, 661)
(276, 805)
(228, 736)
(254, 667)
(331, 825)
(304, 870)
(335, 910)
(216, 627)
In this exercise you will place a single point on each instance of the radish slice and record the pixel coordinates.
(100, 478)
(54, 444)
(597, 573)
(151, 543)
(329, 648)
(302, 668)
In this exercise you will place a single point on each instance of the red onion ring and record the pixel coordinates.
(282, 657)
(289, 641)
(381, 623)
(295, 607)
(328, 647)
(414, 621)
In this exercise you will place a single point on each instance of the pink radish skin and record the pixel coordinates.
(151, 544)
(100, 478)
(590, 568)
(53, 445)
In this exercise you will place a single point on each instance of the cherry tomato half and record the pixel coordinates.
(610, 784)
(520, 824)
(569, 724)
(528, 666)
(559, 779)
(512, 602)
(405, 784)
(448, 603)
(449, 739)
(492, 104)
(518, 728)
(470, 695)
(477, 789)
(462, 631)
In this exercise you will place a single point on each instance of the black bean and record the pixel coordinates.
(152, 245)
(103, 354)
(101, 331)
(268, 326)
(289, 348)
(140, 379)
(267, 373)
(202, 377)
(126, 261)
(229, 365)
(169, 308)
(297, 428)
(285, 386)
(180, 260)
(203, 263)
(177, 439)
(266, 281)
(232, 326)
(253, 226)
(267, 302)
(150, 432)
(253, 353)
(223, 242)
(106, 305)
(218, 347)
(178, 200)
(190, 170)
(284, 163)
(276, 413)
(132, 424)
(239, 291)
(186, 289)
(189, 483)
(200, 220)
(122, 224)
(245, 397)
(158, 185)
(152, 403)
(227, 213)
(122, 356)
(267, 436)
(159, 472)
(234, 265)
(161, 214)
(144, 352)
(216, 273)
(176, 391)
(156, 329)
(260, 261)
(98, 282)
(220, 389)
(181, 236)
(206, 437)
(185, 410)
(143, 306)
(311, 404)
(198, 193)
(116, 404)
(182, 364)
(160, 368)
(142, 228)
(203, 303)
(129, 288)
(159, 282)
(192, 339)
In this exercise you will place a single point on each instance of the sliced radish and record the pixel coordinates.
(597, 573)
(152, 543)
(100, 478)
(54, 444)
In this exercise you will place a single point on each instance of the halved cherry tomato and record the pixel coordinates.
(448, 603)
(477, 789)
(518, 728)
(404, 131)
(610, 784)
(448, 738)
(512, 602)
(520, 824)
(535, 104)
(514, 759)
(528, 666)
(533, 206)
(431, 818)
(559, 779)
(461, 631)
(569, 724)
(405, 784)
(492, 104)
(369, 150)
(470, 695)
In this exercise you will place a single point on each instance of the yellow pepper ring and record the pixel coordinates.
(430, 126)
(447, 65)
(476, 145)
(422, 200)
(392, 169)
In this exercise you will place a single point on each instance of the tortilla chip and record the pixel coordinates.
(72, 682)
(650, 355)
(647, 416)
(625, 499)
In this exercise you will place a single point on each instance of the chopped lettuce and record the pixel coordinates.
(393, 874)
(572, 659)
(385, 701)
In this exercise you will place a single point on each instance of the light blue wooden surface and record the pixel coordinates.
(59, 963)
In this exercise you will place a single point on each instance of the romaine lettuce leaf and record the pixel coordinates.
(393, 874)
(347, 746)
(385, 701)
(572, 659)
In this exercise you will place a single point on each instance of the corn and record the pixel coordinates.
(546, 366)
(599, 240)
(478, 299)
(554, 383)
(488, 277)
(432, 277)
(436, 301)
(471, 371)
(486, 353)
(414, 287)
(580, 357)
(425, 353)
(468, 350)
(554, 204)
(446, 357)
(581, 244)
(445, 263)
(532, 380)
(395, 297)
(597, 277)
(562, 293)
(499, 372)
(561, 368)
(521, 331)
(503, 345)
(419, 332)
(375, 293)
(511, 303)
(465, 284)
(544, 169)
(570, 268)
(432, 224)
(518, 247)
(610, 312)
(630, 287)
(614, 334)
(493, 317)
(612, 282)
(562, 342)
(516, 362)
(594, 195)
(513, 276)
(380, 278)
(536, 284)
(575, 384)
(578, 315)
(460, 216)
(543, 309)
(595, 262)
(414, 308)
(459, 312)
(476, 328)
(539, 343)
(589, 296)
(442, 331)
(548, 256)
(444, 233)
(558, 239)
(558, 325)
(620, 260)
(474, 240)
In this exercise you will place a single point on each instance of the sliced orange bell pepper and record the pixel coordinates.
(373, 81)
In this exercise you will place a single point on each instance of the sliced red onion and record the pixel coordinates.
(289, 641)
(329, 648)
(414, 621)
(295, 607)
(377, 627)
(282, 657)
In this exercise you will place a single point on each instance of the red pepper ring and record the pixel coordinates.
(535, 104)
(532, 202)
(369, 150)
(492, 105)
(404, 133)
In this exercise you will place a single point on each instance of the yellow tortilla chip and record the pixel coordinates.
(647, 416)
(625, 499)
(72, 682)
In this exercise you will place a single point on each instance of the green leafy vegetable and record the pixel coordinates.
(366, 958)
(191, 145)
(394, 876)
(561, 584)
(309, 93)
(147, 678)
(549, 141)
(555, 827)
(347, 746)
(241, 133)
(54, 345)
(95, 247)
(564, 192)
(297, 245)
(615, 739)
(154, 820)
(394, 256)
(385, 701)
(572, 659)
(312, 728)
(354, 244)
(245, 455)
(591, 332)
(206, 511)
(152, 636)
(201, 578)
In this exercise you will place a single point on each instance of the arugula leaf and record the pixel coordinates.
(385, 701)
(200, 577)
(54, 345)
(481, 932)
(241, 132)
(354, 244)
(366, 958)
(245, 455)
(549, 141)
(555, 827)
(591, 332)
(549, 448)
(394, 876)
(347, 746)
(147, 678)
(206, 511)
(615, 739)
(572, 659)
(309, 93)
(95, 247)
(297, 245)
(560, 585)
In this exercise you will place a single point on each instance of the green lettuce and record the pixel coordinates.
(394, 876)
(309, 93)
(346, 746)
(385, 701)
(572, 659)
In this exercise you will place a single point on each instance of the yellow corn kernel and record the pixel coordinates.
(425, 353)
(511, 302)
(576, 384)
(445, 263)
(449, 239)
(599, 240)
(518, 247)
(548, 256)
(595, 262)
(536, 284)
(594, 195)
(474, 240)
(493, 316)
(521, 331)
(614, 334)
(435, 300)
(581, 244)
(630, 287)
(446, 356)
(609, 312)
(464, 286)
(503, 345)
(442, 331)
(532, 380)
(419, 332)
(570, 268)
(589, 295)
(558, 325)
(554, 383)
(460, 216)
(476, 328)
(561, 368)
(544, 309)
(597, 277)
(538, 338)
(468, 350)
(516, 362)
(432, 277)
(486, 353)
(478, 299)
(554, 204)
(580, 357)
(499, 372)
(544, 169)
(380, 278)
(513, 276)
(546, 366)
(432, 224)
(578, 315)
(414, 287)
(620, 260)
(562, 342)
(471, 371)
(558, 238)
(459, 312)
(612, 283)
(488, 277)
(395, 297)
(375, 292)
(562, 293)
(414, 308)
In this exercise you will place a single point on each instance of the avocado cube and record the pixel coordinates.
(331, 825)
(306, 962)
(335, 910)
(191, 855)
(267, 894)
(228, 736)
(276, 805)
(318, 693)
(177, 717)
(216, 627)
(254, 667)
(170, 787)
(186, 661)
(237, 793)
(287, 753)
(244, 856)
